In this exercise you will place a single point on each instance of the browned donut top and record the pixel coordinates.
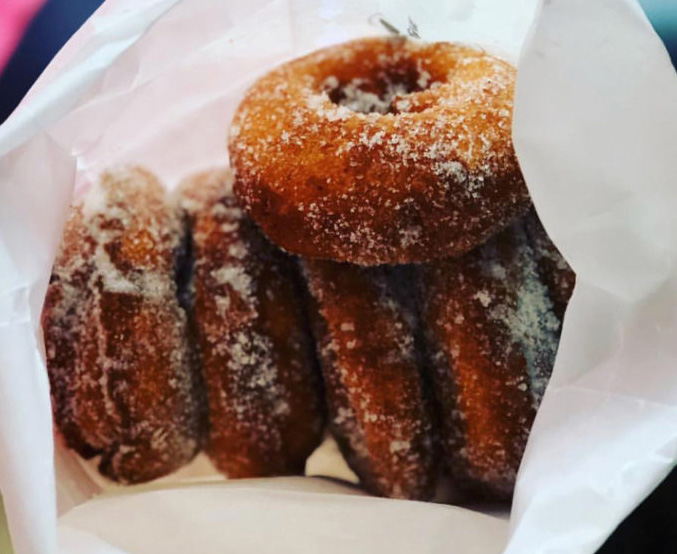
(426, 167)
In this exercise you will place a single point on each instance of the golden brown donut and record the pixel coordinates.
(265, 402)
(119, 366)
(377, 402)
(380, 150)
(558, 277)
(492, 336)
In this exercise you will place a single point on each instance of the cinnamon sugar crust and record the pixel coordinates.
(380, 150)
(266, 413)
(378, 407)
(492, 335)
(120, 371)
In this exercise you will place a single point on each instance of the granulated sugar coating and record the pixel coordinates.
(492, 337)
(265, 404)
(378, 407)
(119, 366)
(557, 275)
(381, 150)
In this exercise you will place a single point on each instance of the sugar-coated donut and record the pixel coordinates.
(492, 336)
(377, 401)
(380, 150)
(115, 335)
(266, 411)
(554, 269)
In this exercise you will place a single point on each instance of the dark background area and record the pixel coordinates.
(47, 33)
(652, 528)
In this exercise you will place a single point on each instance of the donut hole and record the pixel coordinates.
(378, 93)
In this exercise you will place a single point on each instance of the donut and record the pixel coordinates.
(378, 406)
(266, 413)
(491, 338)
(558, 277)
(119, 364)
(380, 150)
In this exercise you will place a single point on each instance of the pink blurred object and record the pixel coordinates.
(15, 15)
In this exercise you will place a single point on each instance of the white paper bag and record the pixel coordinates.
(156, 82)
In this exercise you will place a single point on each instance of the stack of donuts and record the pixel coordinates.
(370, 265)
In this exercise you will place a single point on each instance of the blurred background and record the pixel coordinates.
(33, 31)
